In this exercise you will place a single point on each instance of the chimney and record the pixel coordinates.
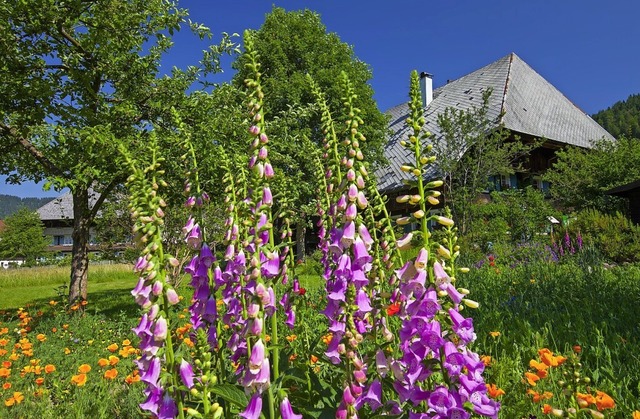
(426, 88)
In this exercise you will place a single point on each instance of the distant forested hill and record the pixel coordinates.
(623, 118)
(10, 204)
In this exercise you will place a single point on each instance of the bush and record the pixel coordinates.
(617, 238)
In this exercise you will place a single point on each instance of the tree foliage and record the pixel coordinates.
(294, 46)
(580, 177)
(78, 78)
(23, 236)
(622, 119)
(470, 149)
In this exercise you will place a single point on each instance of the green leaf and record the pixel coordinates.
(232, 394)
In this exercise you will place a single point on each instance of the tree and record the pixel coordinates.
(579, 177)
(23, 236)
(621, 119)
(470, 149)
(78, 78)
(291, 46)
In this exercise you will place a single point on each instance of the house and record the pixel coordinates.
(521, 101)
(630, 191)
(57, 217)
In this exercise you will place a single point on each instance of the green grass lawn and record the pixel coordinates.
(108, 286)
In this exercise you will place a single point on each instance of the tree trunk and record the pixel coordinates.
(301, 235)
(80, 249)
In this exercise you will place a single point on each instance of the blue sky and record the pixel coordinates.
(588, 49)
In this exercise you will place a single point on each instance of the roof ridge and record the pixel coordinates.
(503, 111)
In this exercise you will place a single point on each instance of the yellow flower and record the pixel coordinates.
(113, 360)
(494, 334)
(102, 362)
(113, 347)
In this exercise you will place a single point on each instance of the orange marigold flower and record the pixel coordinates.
(130, 379)
(291, 338)
(3, 342)
(113, 360)
(65, 326)
(9, 402)
(18, 397)
(326, 339)
(14, 356)
(494, 391)
(548, 358)
(53, 303)
(5, 372)
(494, 334)
(84, 368)
(546, 409)
(126, 342)
(577, 349)
(531, 378)
(83, 303)
(6, 364)
(102, 362)
(313, 359)
(636, 414)
(79, 380)
(6, 386)
(111, 374)
(113, 347)
(542, 373)
(604, 401)
(293, 357)
(188, 342)
(39, 381)
(41, 337)
(486, 360)
(538, 366)
(4, 331)
(49, 368)
(54, 329)
(3, 352)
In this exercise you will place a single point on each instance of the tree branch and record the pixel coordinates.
(48, 165)
(104, 194)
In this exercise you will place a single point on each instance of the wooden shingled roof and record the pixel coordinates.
(521, 100)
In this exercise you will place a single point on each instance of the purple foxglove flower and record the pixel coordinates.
(252, 310)
(160, 330)
(352, 193)
(341, 413)
(190, 202)
(156, 289)
(254, 130)
(206, 256)
(362, 201)
(189, 226)
(152, 372)
(343, 270)
(144, 326)
(441, 276)
(252, 161)
(141, 264)
(333, 348)
(254, 326)
(404, 243)
(270, 305)
(270, 265)
(381, 363)
(454, 294)
(362, 301)
(365, 236)
(351, 175)
(360, 376)
(254, 408)
(230, 252)
(257, 357)
(194, 239)
(141, 293)
(263, 138)
(153, 401)
(372, 397)
(462, 327)
(441, 401)
(286, 411)
(347, 396)
(186, 373)
(291, 318)
(268, 170)
(172, 296)
(351, 212)
(454, 360)
(267, 197)
(192, 267)
(348, 234)
(421, 260)
(360, 254)
(342, 203)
